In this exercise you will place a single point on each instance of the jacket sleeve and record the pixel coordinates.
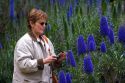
(24, 59)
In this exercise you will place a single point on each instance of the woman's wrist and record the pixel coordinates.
(44, 61)
(40, 64)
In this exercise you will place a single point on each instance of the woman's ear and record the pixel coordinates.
(31, 24)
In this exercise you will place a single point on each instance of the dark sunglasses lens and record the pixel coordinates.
(43, 23)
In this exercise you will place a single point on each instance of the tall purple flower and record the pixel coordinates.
(1, 45)
(91, 43)
(62, 78)
(62, 2)
(48, 28)
(90, 38)
(111, 36)
(68, 78)
(81, 46)
(89, 3)
(75, 3)
(12, 16)
(70, 58)
(121, 34)
(91, 46)
(104, 26)
(69, 12)
(88, 65)
(52, 2)
(67, 59)
(99, 7)
(103, 47)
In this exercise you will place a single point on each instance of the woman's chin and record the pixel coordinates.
(42, 33)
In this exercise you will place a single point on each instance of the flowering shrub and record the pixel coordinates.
(90, 31)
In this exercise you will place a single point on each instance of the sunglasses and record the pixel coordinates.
(42, 23)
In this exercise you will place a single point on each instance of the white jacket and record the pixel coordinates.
(26, 53)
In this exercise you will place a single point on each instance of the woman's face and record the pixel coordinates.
(39, 27)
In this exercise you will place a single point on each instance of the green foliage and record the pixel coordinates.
(108, 67)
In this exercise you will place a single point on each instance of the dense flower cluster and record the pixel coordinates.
(91, 43)
(88, 65)
(70, 58)
(121, 34)
(81, 46)
(104, 30)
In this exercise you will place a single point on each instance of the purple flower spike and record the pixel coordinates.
(121, 34)
(88, 65)
(62, 78)
(81, 46)
(103, 47)
(104, 26)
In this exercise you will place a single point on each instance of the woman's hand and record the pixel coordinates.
(49, 59)
(62, 56)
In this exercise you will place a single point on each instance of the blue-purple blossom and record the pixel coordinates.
(71, 59)
(91, 46)
(1, 45)
(61, 2)
(99, 7)
(68, 78)
(67, 59)
(48, 27)
(90, 38)
(111, 36)
(81, 46)
(52, 2)
(61, 76)
(88, 65)
(98, 2)
(12, 16)
(121, 34)
(91, 43)
(75, 3)
(69, 12)
(89, 3)
(103, 47)
(104, 26)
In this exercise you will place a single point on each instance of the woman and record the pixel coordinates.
(34, 52)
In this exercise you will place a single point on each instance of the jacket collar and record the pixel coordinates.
(32, 35)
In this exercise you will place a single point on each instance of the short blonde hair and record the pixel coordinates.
(34, 15)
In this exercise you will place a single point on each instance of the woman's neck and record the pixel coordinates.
(35, 34)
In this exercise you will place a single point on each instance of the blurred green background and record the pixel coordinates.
(67, 20)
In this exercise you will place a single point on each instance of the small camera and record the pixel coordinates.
(56, 57)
